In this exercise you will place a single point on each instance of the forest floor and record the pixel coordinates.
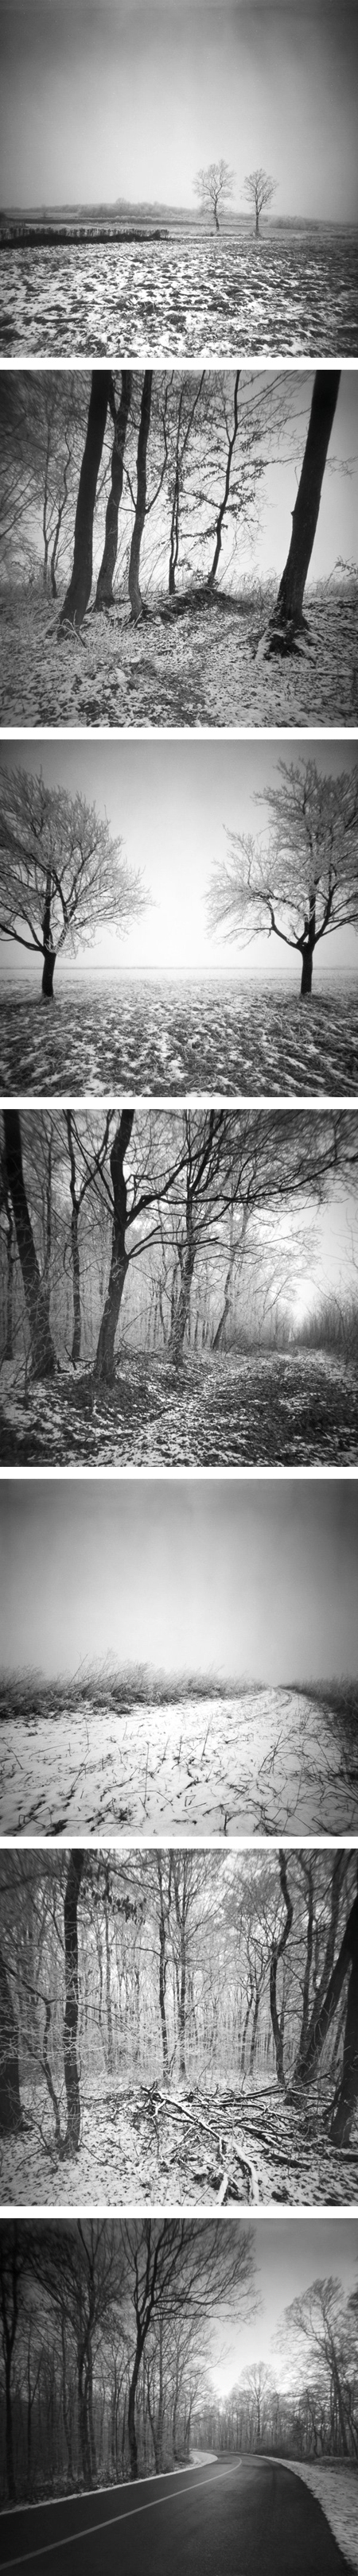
(264, 1761)
(293, 292)
(268, 1408)
(224, 2141)
(190, 665)
(335, 2483)
(131, 1035)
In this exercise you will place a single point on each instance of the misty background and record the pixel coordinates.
(103, 102)
(234, 1576)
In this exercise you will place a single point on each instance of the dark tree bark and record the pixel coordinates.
(104, 592)
(49, 952)
(10, 2105)
(288, 614)
(79, 591)
(104, 1361)
(75, 1250)
(347, 2096)
(278, 1948)
(162, 1967)
(37, 1301)
(140, 508)
(70, 2026)
(347, 1961)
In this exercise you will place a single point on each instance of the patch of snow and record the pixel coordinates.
(335, 2484)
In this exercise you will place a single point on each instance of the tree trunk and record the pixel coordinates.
(347, 1956)
(104, 1360)
(49, 954)
(307, 968)
(10, 2105)
(181, 1319)
(104, 592)
(276, 1954)
(288, 615)
(134, 559)
(73, 1883)
(48, 974)
(223, 504)
(75, 1249)
(345, 2106)
(37, 1301)
(79, 591)
(132, 2430)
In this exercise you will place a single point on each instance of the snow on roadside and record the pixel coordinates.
(335, 2484)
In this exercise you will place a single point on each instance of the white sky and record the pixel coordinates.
(290, 2253)
(171, 802)
(230, 1576)
(107, 98)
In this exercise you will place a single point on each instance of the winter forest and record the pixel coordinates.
(178, 549)
(181, 2026)
(179, 1286)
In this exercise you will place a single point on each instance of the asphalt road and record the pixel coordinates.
(236, 2518)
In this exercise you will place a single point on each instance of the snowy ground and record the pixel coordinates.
(222, 2142)
(115, 1034)
(287, 1408)
(268, 1762)
(201, 667)
(291, 293)
(335, 2483)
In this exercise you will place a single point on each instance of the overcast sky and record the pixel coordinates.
(290, 2253)
(106, 101)
(235, 1576)
(172, 803)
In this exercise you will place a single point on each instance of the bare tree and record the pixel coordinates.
(62, 876)
(259, 189)
(214, 186)
(304, 884)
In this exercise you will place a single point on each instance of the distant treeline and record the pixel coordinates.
(43, 236)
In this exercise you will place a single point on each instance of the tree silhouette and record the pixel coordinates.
(259, 189)
(213, 187)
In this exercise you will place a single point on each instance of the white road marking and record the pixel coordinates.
(88, 2528)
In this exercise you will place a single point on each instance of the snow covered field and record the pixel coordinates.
(267, 1762)
(294, 292)
(117, 1033)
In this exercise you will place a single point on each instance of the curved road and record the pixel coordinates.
(231, 2519)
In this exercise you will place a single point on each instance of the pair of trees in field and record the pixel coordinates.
(197, 1191)
(63, 876)
(214, 188)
